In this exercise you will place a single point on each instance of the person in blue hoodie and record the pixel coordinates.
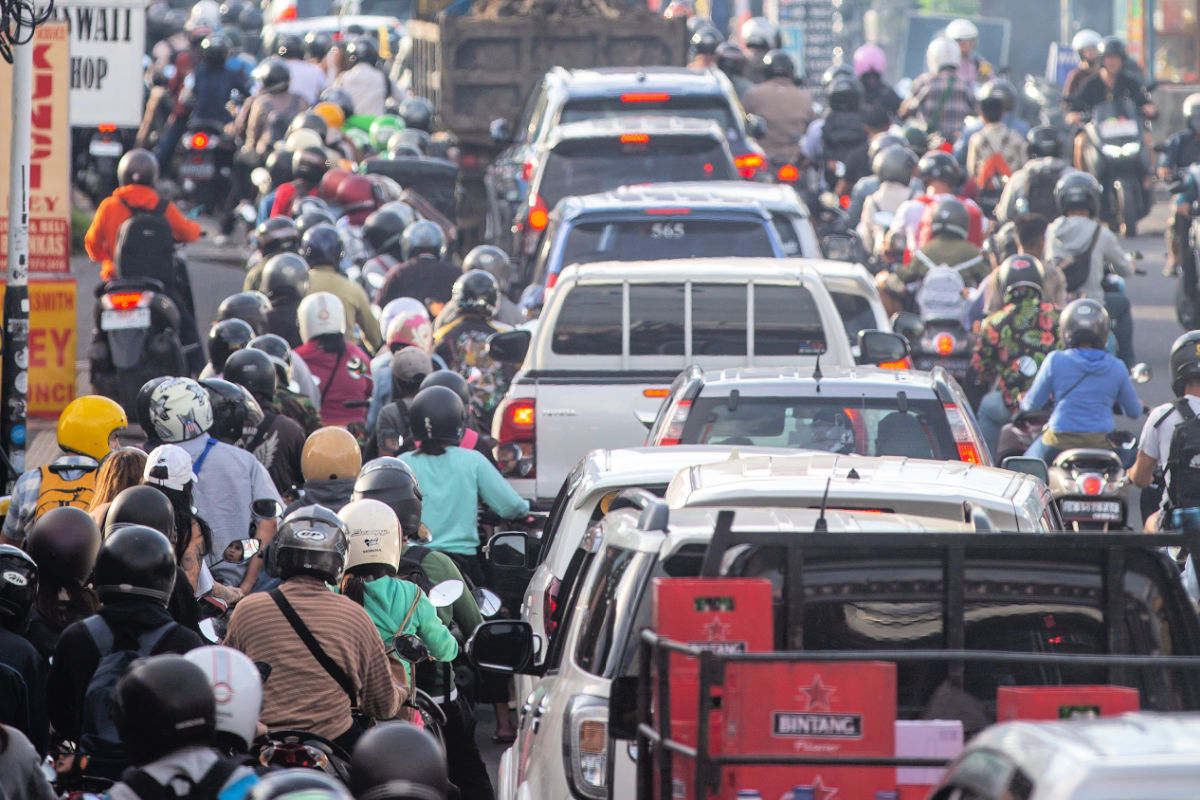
(1084, 382)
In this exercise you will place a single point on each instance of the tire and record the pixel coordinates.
(1126, 216)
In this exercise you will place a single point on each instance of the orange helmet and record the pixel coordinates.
(330, 112)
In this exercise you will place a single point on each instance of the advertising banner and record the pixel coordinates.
(105, 71)
(52, 345)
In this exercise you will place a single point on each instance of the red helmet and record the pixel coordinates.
(356, 197)
(330, 183)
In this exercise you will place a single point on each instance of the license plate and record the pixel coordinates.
(201, 171)
(105, 148)
(1092, 510)
(1118, 128)
(955, 366)
(120, 319)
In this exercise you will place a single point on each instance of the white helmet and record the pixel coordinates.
(301, 138)
(760, 32)
(374, 534)
(1084, 39)
(319, 313)
(205, 15)
(961, 29)
(180, 410)
(237, 685)
(942, 52)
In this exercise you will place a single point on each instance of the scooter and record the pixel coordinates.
(941, 339)
(97, 151)
(1116, 155)
(205, 165)
(1089, 486)
(1187, 307)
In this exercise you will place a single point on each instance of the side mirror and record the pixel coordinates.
(509, 347)
(882, 347)
(410, 648)
(487, 600)
(240, 551)
(266, 508)
(908, 325)
(838, 247)
(1141, 373)
(508, 549)
(756, 126)
(504, 646)
(446, 592)
(500, 131)
(1030, 466)
(623, 707)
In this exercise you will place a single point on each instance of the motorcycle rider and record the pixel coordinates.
(942, 98)
(379, 775)
(494, 261)
(237, 685)
(87, 432)
(972, 68)
(259, 123)
(321, 247)
(285, 280)
(893, 166)
(339, 664)
(23, 708)
(1111, 82)
(732, 60)
(949, 246)
(329, 463)
(66, 541)
(277, 440)
(309, 165)
(308, 79)
(251, 307)
(1029, 233)
(1031, 188)
(365, 80)
(997, 150)
(843, 132)
(1086, 44)
(273, 236)
(1085, 383)
(869, 183)
(462, 342)
(942, 176)
(704, 48)
(409, 367)
(224, 338)
(759, 37)
(424, 273)
(870, 65)
(409, 328)
(1182, 150)
(786, 108)
(341, 368)
(295, 389)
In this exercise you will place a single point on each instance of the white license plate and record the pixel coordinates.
(202, 171)
(1102, 510)
(121, 319)
(1118, 128)
(105, 149)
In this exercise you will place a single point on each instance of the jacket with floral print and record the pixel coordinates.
(1012, 344)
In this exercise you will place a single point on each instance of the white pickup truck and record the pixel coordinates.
(615, 335)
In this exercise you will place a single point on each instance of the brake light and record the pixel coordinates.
(635, 138)
(668, 211)
(586, 724)
(518, 425)
(968, 448)
(674, 430)
(287, 14)
(107, 128)
(199, 141)
(124, 300)
(551, 280)
(539, 217)
(1091, 484)
(944, 344)
(527, 170)
(947, 147)
(748, 164)
(645, 97)
(788, 173)
(844, 201)
(905, 364)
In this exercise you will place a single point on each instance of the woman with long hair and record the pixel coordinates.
(63, 542)
(118, 472)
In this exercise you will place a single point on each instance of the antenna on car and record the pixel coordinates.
(817, 375)
(821, 526)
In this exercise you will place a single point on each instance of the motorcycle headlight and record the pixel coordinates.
(1130, 149)
(1111, 150)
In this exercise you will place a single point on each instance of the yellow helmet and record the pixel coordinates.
(330, 454)
(86, 424)
(330, 112)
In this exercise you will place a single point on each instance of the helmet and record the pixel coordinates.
(298, 783)
(917, 138)
(731, 58)
(321, 246)
(1113, 46)
(162, 704)
(844, 93)
(895, 164)
(141, 505)
(382, 129)
(330, 181)
(706, 41)
(250, 307)
(237, 687)
(869, 58)
(374, 534)
(215, 49)
(206, 13)
(362, 51)
(317, 44)
(477, 293)
(961, 30)
(279, 165)
(290, 46)
(285, 276)
(778, 64)
(1043, 142)
(410, 327)
(393, 483)
(1021, 276)
(410, 143)
(417, 112)
(277, 235)
(360, 140)
(65, 540)
(1185, 361)
(950, 218)
(87, 423)
(437, 416)
(330, 454)
(135, 561)
(141, 403)
(1084, 322)
(18, 583)
(1084, 39)
(311, 540)
(226, 336)
(311, 219)
(321, 313)
(939, 166)
(492, 260)
(452, 381)
(410, 366)
(137, 167)
(237, 40)
(280, 353)
(301, 138)
(1077, 190)
(180, 410)
(250, 20)
(759, 33)
(840, 68)
(311, 121)
(383, 229)
(379, 775)
(422, 236)
(309, 204)
(884, 141)
(253, 369)
(356, 195)
(341, 98)
(1002, 90)
(942, 53)
(331, 113)
(234, 408)
(309, 163)
(1191, 111)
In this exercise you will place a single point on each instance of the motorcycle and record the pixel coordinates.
(97, 152)
(1088, 485)
(1187, 307)
(936, 332)
(292, 749)
(1115, 154)
(204, 164)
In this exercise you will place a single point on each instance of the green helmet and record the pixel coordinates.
(359, 138)
(382, 129)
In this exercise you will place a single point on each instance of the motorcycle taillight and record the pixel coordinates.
(293, 754)
(199, 140)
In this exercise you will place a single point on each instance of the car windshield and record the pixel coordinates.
(872, 427)
(401, 9)
(591, 166)
(665, 236)
(639, 104)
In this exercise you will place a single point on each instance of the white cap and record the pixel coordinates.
(170, 466)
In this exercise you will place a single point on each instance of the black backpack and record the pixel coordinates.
(841, 134)
(1183, 459)
(410, 568)
(207, 788)
(146, 245)
(1039, 191)
(1078, 267)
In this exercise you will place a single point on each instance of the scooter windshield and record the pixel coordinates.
(1117, 119)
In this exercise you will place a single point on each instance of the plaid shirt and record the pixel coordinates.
(926, 96)
(26, 490)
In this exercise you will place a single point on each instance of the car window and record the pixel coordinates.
(639, 104)
(786, 322)
(787, 233)
(554, 518)
(533, 117)
(609, 604)
(719, 319)
(401, 9)
(658, 236)
(856, 311)
(589, 323)
(656, 319)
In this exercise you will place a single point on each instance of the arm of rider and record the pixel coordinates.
(496, 491)
(1142, 471)
(264, 532)
(1113, 254)
(1127, 398)
(1039, 391)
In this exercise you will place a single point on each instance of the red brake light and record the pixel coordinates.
(551, 279)
(635, 138)
(1091, 484)
(844, 201)
(670, 211)
(895, 365)
(518, 424)
(645, 97)
(947, 147)
(788, 173)
(125, 300)
(199, 141)
(539, 217)
(968, 448)
(527, 171)
(748, 164)
(969, 453)
(107, 128)
(944, 344)
(288, 13)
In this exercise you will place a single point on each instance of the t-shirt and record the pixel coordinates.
(1155, 440)
(277, 445)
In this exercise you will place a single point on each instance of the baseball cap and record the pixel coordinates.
(170, 466)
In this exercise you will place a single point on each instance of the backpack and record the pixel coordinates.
(207, 788)
(995, 169)
(940, 295)
(1039, 191)
(146, 245)
(1078, 267)
(410, 568)
(55, 491)
(1183, 459)
(99, 738)
(841, 134)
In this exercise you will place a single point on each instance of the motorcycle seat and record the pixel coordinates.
(1084, 459)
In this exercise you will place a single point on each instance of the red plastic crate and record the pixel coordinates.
(1063, 702)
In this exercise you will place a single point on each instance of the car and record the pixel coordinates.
(402, 10)
(335, 26)
(284, 11)
(859, 410)
(603, 154)
(857, 298)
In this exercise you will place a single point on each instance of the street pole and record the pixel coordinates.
(14, 380)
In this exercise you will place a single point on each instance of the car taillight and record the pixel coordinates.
(538, 217)
(645, 97)
(550, 605)
(674, 430)
(968, 448)
(788, 173)
(586, 746)
(944, 344)
(749, 164)
(635, 138)
(107, 128)
(199, 141)
(905, 364)
(1091, 484)
(518, 424)
(123, 301)
(527, 170)
(551, 280)
(287, 14)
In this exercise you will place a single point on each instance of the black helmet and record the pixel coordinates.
(231, 12)
(162, 704)
(884, 141)
(1185, 361)
(1113, 46)
(285, 276)
(250, 307)
(141, 404)
(234, 409)
(950, 218)
(310, 120)
(225, 337)
(383, 229)
(1043, 142)
(135, 561)
(338, 95)
(137, 167)
(279, 165)
(916, 137)
(311, 219)
(321, 246)
(778, 64)
(251, 20)
(833, 71)
(1021, 276)
(477, 292)
(437, 415)
(277, 235)
(1077, 190)
(1084, 322)
(65, 540)
(317, 44)
(280, 353)
(290, 46)
(413, 138)
(895, 164)
(289, 784)
(215, 49)
(273, 75)
(492, 260)
(141, 505)
(731, 59)
(392, 482)
(706, 41)
(18, 584)
(253, 369)
(422, 236)
(417, 113)
(940, 166)
(310, 541)
(452, 381)
(362, 51)
(379, 775)
(398, 148)
(1002, 242)
(1002, 90)
(310, 164)
(844, 92)
(1191, 111)
(308, 203)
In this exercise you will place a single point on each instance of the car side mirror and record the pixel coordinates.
(509, 347)
(908, 325)
(504, 645)
(838, 247)
(756, 126)
(623, 707)
(240, 551)
(1030, 466)
(500, 131)
(508, 549)
(881, 347)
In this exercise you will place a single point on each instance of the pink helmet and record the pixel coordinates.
(869, 58)
(410, 329)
